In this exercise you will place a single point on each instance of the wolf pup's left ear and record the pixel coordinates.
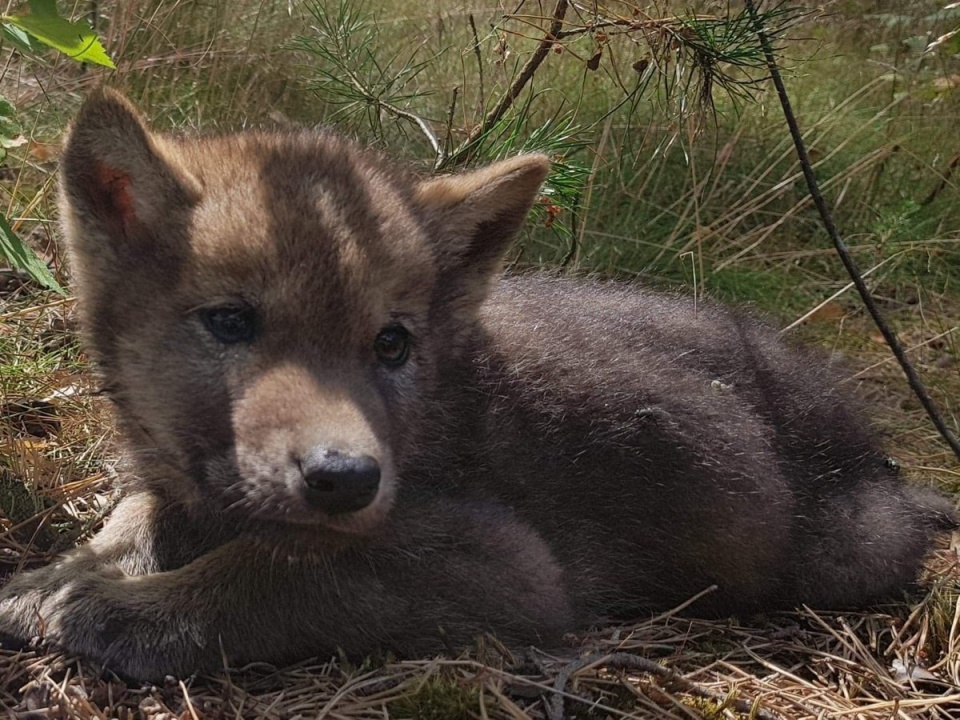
(473, 216)
(117, 178)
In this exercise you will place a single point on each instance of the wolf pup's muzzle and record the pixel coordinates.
(337, 483)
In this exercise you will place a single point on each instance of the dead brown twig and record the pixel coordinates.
(628, 661)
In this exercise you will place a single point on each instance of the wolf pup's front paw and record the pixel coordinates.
(118, 625)
(19, 623)
(27, 599)
(97, 615)
(21, 599)
(89, 618)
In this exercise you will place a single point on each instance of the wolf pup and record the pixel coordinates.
(345, 430)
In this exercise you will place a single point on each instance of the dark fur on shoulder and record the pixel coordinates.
(344, 430)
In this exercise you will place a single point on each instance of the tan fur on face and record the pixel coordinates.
(287, 411)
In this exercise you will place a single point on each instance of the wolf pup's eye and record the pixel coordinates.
(231, 324)
(393, 346)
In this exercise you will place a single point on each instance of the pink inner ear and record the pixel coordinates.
(114, 196)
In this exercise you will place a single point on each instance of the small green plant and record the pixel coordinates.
(438, 698)
(44, 27)
(32, 34)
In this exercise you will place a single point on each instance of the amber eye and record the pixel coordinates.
(393, 346)
(230, 324)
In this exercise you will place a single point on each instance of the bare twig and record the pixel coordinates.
(418, 121)
(667, 24)
(944, 179)
(476, 51)
(448, 138)
(628, 661)
(580, 224)
(913, 379)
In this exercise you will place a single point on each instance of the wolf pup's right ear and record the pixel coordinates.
(117, 178)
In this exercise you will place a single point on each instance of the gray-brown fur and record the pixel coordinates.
(553, 452)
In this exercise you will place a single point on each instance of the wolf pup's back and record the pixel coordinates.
(345, 431)
(693, 446)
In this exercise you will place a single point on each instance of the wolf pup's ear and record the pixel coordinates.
(117, 179)
(474, 215)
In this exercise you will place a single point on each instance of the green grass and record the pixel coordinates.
(656, 191)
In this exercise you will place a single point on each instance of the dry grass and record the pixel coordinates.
(800, 665)
(196, 64)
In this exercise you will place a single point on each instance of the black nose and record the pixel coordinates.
(338, 483)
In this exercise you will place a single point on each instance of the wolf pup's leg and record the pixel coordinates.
(439, 575)
(127, 545)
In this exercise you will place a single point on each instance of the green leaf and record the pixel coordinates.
(10, 132)
(74, 39)
(20, 40)
(19, 254)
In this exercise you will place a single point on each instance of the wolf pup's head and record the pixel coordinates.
(269, 309)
